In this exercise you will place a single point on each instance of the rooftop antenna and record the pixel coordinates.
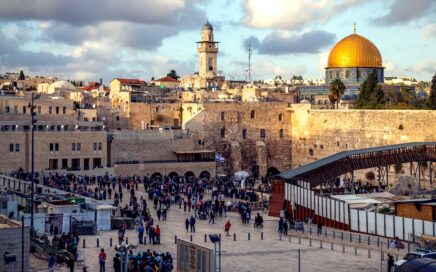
(250, 51)
(354, 27)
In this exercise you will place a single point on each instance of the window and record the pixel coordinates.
(96, 162)
(85, 119)
(24, 109)
(52, 164)
(222, 116)
(262, 133)
(64, 163)
(347, 74)
(51, 147)
(280, 117)
(17, 147)
(252, 114)
(75, 164)
(39, 109)
(86, 164)
(57, 110)
(223, 132)
(11, 147)
(281, 133)
(95, 146)
(56, 146)
(244, 133)
(99, 146)
(78, 146)
(64, 110)
(73, 146)
(50, 109)
(15, 109)
(118, 118)
(8, 109)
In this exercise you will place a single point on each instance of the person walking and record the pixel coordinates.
(319, 228)
(117, 263)
(141, 233)
(187, 224)
(212, 216)
(192, 223)
(390, 263)
(51, 262)
(120, 236)
(102, 260)
(157, 234)
(70, 263)
(159, 213)
(227, 227)
(285, 227)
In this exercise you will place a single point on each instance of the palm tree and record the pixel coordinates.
(336, 89)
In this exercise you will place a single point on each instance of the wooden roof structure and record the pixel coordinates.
(330, 167)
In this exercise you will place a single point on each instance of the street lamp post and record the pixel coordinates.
(32, 192)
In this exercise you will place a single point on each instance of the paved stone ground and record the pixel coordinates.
(270, 254)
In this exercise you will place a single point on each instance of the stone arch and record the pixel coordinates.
(173, 174)
(272, 171)
(189, 174)
(156, 175)
(205, 175)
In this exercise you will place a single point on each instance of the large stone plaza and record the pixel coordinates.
(273, 253)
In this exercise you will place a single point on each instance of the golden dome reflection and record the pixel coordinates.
(354, 51)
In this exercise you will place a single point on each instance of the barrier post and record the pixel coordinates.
(320, 243)
(98, 242)
(310, 242)
(331, 246)
(190, 237)
(127, 240)
(205, 238)
(369, 253)
(175, 239)
(84, 243)
(261, 235)
(234, 236)
(249, 236)
(110, 242)
(343, 248)
(299, 240)
(355, 251)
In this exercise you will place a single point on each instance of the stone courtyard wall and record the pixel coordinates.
(241, 153)
(320, 133)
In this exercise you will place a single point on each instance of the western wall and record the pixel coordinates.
(235, 131)
(320, 133)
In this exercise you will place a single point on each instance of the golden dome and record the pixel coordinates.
(354, 51)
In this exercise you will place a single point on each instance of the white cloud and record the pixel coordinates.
(286, 14)
(430, 31)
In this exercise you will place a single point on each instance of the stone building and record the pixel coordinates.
(62, 141)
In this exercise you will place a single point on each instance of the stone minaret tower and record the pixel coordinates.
(207, 51)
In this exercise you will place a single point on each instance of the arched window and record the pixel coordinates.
(252, 114)
(280, 117)
(347, 74)
(222, 116)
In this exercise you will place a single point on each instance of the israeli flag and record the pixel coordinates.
(219, 158)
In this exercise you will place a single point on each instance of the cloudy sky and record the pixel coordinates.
(89, 39)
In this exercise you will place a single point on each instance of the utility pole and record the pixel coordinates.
(250, 51)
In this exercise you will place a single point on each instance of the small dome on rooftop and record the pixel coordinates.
(207, 26)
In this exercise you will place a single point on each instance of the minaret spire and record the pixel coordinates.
(354, 27)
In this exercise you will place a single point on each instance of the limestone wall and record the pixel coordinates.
(11, 240)
(221, 126)
(319, 133)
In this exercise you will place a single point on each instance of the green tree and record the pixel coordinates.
(371, 95)
(432, 97)
(173, 74)
(22, 77)
(336, 89)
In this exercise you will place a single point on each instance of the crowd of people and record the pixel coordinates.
(164, 192)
